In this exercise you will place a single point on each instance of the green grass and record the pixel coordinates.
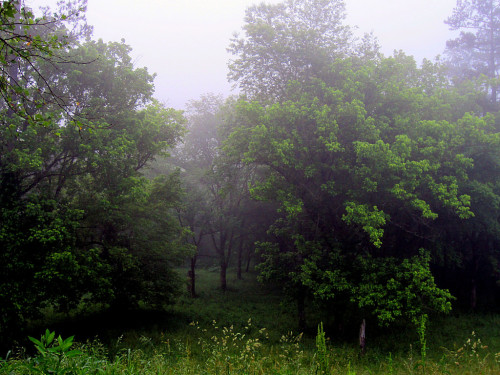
(249, 330)
(244, 299)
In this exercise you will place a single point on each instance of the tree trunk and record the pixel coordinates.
(362, 336)
(492, 60)
(220, 248)
(240, 251)
(249, 258)
(192, 278)
(223, 273)
(240, 256)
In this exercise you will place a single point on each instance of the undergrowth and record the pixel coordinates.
(247, 330)
(223, 350)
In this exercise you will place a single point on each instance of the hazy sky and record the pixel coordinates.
(185, 41)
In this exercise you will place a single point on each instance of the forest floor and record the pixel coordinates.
(250, 330)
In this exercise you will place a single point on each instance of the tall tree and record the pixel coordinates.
(293, 40)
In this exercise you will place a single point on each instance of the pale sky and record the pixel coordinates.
(185, 41)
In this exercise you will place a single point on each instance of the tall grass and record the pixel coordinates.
(227, 351)
(248, 330)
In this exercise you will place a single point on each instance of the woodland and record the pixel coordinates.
(358, 189)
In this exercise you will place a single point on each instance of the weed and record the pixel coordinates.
(390, 368)
(421, 324)
(321, 351)
(290, 354)
(228, 350)
(349, 370)
(472, 354)
(52, 353)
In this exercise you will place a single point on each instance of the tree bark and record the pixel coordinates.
(223, 249)
(492, 61)
(249, 258)
(362, 336)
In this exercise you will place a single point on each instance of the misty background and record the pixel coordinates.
(184, 41)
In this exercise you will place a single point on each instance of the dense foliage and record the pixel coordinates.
(79, 224)
(380, 169)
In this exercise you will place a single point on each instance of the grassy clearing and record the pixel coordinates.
(248, 330)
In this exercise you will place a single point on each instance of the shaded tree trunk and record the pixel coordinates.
(192, 278)
(223, 274)
(362, 336)
(249, 258)
(238, 272)
(492, 65)
(223, 249)
(240, 257)
(240, 251)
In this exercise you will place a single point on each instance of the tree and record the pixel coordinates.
(194, 213)
(363, 165)
(217, 207)
(476, 52)
(468, 260)
(237, 221)
(35, 227)
(195, 157)
(200, 145)
(293, 40)
(79, 221)
(129, 220)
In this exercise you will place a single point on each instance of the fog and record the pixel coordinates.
(185, 41)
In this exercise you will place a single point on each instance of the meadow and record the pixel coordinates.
(248, 330)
